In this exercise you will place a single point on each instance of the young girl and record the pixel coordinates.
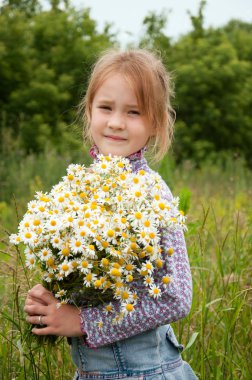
(126, 111)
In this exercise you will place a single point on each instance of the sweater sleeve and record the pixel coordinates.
(174, 304)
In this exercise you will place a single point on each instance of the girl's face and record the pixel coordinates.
(117, 125)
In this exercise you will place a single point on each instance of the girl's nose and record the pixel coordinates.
(116, 122)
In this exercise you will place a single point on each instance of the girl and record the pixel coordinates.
(126, 110)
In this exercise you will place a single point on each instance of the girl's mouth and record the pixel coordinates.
(116, 138)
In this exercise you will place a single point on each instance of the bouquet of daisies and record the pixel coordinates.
(96, 234)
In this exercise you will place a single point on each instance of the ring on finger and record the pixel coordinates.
(40, 322)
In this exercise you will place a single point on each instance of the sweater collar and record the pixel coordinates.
(137, 156)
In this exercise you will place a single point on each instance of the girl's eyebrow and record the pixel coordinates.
(104, 100)
(110, 101)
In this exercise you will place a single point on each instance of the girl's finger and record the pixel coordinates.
(33, 300)
(39, 293)
(43, 331)
(37, 319)
(35, 309)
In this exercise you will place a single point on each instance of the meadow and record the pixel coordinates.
(216, 334)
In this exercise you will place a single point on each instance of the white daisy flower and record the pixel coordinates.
(45, 253)
(15, 239)
(30, 261)
(61, 293)
(56, 241)
(48, 277)
(84, 266)
(127, 308)
(109, 308)
(147, 267)
(28, 237)
(89, 279)
(65, 268)
(77, 245)
(148, 281)
(155, 291)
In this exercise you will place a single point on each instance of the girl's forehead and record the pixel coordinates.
(119, 78)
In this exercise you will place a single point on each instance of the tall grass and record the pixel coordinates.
(216, 334)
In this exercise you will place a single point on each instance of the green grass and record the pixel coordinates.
(216, 334)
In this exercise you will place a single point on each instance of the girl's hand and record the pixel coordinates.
(60, 321)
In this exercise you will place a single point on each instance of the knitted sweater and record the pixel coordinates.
(149, 312)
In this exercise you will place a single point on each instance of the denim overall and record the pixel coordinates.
(152, 355)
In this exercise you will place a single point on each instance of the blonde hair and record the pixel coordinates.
(148, 77)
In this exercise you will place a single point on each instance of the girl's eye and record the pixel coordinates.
(134, 112)
(104, 107)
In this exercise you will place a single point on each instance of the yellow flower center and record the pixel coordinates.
(129, 307)
(166, 280)
(170, 251)
(149, 249)
(110, 233)
(125, 295)
(105, 244)
(65, 251)
(105, 262)
(123, 176)
(88, 277)
(138, 215)
(115, 272)
(159, 263)
(129, 267)
(97, 283)
(148, 266)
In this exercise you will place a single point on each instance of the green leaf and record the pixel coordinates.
(192, 340)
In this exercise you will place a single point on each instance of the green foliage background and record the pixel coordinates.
(46, 58)
(45, 61)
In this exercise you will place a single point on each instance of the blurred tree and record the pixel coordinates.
(45, 61)
(29, 7)
(154, 34)
(213, 76)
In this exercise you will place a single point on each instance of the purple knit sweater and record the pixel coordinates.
(149, 313)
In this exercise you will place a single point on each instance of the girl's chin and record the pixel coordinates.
(114, 152)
